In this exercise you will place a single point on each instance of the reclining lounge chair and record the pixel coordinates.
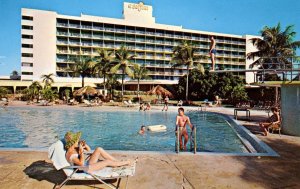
(57, 153)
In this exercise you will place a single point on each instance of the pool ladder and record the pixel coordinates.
(193, 140)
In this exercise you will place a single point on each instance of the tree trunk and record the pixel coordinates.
(138, 90)
(187, 85)
(82, 81)
(122, 93)
(104, 82)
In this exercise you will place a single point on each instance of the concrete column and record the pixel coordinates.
(290, 109)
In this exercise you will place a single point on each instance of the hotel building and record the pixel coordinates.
(50, 39)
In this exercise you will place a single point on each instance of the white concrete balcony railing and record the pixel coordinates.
(64, 69)
(61, 42)
(62, 33)
(98, 36)
(61, 60)
(75, 34)
(74, 52)
(74, 43)
(27, 41)
(109, 29)
(86, 44)
(140, 32)
(62, 25)
(26, 77)
(27, 59)
(78, 80)
(74, 25)
(97, 44)
(86, 27)
(26, 32)
(204, 39)
(86, 52)
(26, 50)
(62, 51)
(120, 30)
(27, 22)
(26, 69)
(98, 28)
(86, 35)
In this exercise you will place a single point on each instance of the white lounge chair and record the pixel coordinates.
(57, 153)
(127, 104)
(87, 103)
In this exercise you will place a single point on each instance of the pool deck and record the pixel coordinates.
(32, 169)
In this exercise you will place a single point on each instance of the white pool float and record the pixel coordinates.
(154, 128)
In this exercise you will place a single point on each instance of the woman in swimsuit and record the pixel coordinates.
(274, 119)
(75, 155)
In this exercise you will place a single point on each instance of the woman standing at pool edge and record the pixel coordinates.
(75, 155)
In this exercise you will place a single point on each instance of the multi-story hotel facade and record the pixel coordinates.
(49, 40)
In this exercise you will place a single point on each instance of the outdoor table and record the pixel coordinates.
(236, 110)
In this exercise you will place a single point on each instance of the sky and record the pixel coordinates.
(224, 16)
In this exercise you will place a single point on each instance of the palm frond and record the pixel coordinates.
(115, 68)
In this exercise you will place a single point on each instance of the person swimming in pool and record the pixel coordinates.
(212, 52)
(142, 130)
(181, 121)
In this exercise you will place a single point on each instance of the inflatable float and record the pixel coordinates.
(155, 128)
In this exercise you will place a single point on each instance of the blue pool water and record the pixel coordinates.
(40, 127)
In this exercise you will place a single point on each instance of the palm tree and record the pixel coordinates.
(276, 47)
(103, 63)
(3, 92)
(112, 82)
(123, 62)
(47, 79)
(184, 55)
(140, 72)
(14, 73)
(83, 66)
(34, 89)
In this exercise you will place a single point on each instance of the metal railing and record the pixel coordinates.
(193, 140)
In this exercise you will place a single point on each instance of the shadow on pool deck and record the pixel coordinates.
(42, 170)
(272, 172)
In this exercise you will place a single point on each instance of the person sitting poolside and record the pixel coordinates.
(142, 130)
(274, 119)
(141, 107)
(75, 155)
(148, 106)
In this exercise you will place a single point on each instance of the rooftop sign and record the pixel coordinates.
(140, 6)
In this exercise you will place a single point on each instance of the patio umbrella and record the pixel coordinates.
(89, 91)
(159, 90)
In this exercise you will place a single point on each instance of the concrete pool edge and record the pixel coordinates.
(151, 152)
(258, 143)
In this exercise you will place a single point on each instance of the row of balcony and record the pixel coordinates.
(147, 56)
(170, 50)
(149, 41)
(145, 33)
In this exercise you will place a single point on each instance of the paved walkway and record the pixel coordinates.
(23, 169)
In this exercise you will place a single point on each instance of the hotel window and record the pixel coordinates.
(27, 55)
(27, 17)
(27, 27)
(27, 73)
(27, 46)
(27, 64)
(27, 36)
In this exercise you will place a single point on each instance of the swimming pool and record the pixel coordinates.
(23, 127)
